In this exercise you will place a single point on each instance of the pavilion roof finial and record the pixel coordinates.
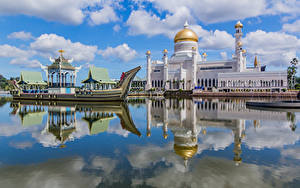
(61, 51)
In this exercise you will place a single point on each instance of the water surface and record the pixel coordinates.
(148, 143)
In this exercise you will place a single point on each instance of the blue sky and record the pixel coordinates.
(116, 34)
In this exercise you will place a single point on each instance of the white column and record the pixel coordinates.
(166, 76)
(194, 71)
(148, 86)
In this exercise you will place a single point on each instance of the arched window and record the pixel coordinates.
(198, 82)
(214, 83)
(205, 83)
(202, 84)
(209, 82)
(158, 83)
(281, 83)
(152, 83)
(161, 83)
(155, 83)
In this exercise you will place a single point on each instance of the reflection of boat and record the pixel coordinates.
(61, 119)
(275, 104)
(119, 93)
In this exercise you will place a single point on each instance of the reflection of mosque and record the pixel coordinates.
(62, 123)
(188, 118)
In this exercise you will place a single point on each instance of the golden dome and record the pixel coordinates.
(165, 51)
(148, 52)
(185, 151)
(239, 43)
(204, 54)
(244, 51)
(238, 25)
(186, 34)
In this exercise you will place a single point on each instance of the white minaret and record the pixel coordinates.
(239, 46)
(148, 85)
(165, 60)
(194, 67)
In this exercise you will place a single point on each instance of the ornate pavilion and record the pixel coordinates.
(61, 75)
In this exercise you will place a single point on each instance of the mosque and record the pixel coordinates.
(186, 69)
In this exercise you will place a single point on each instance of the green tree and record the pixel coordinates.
(291, 71)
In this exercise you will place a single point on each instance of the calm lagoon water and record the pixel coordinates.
(148, 143)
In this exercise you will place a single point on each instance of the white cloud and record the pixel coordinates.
(273, 48)
(122, 52)
(65, 11)
(223, 55)
(217, 40)
(22, 35)
(12, 51)
(49, 44)
(25, 62)
(292, 27)
(214, 11)
(117, 28)
(142, 22)
(105, 15)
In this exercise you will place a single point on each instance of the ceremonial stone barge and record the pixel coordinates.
(61, 81)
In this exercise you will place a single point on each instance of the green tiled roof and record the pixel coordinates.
(64, 64)
(31, 119)
(98, 75)
(32, 78)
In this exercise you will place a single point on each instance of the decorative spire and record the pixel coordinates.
(255, 62)
(186, 25)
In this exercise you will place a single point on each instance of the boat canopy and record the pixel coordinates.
(31, 78)
(98, 75)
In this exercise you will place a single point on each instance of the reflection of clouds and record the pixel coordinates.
(116, 128)
(21, 145)
(47, 139)
(13, 128)
(216, 140)
(146, 156)
(291, 153)
(271, 134)
(54, 174)
(68, 172)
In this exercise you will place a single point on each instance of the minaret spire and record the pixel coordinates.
(186, 24)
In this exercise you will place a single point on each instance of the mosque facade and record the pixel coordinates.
(187, 69)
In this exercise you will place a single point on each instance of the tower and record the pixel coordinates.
(165, 60)
(239, 47)
(148, 85)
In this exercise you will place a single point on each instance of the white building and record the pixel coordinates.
(187, 69)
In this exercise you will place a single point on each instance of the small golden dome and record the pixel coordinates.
(239, 43)
(204, 131)
(148, 134)
(185, 151)
(165, 136)
(244, 51)
(148, 52)
(204, 54)
(186, 34)
(165, 51)
(238, 25)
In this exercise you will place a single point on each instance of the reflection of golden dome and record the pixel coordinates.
(204, 131)
(239, 43)
(148, 134)
(165, 136)
(186, 34)
(185, 151)
(244, 51)
(148, 52)
(238, 25)
(204, 54)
